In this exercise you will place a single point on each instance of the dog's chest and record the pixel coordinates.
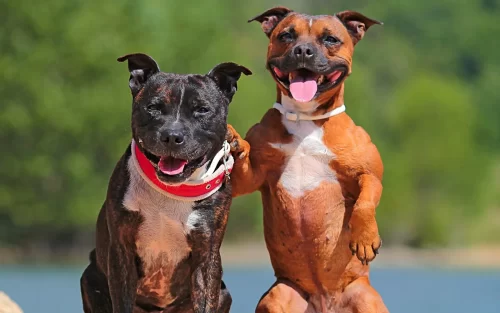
(162, 236)
(307, 158)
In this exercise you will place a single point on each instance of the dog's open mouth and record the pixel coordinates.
(171, 166)
(173, 170)
(305, 85)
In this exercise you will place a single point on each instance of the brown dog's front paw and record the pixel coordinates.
(239, 147)
(365, 251)
(365, 242)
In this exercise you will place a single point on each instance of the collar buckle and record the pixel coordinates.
(227, 153)
(292, 116)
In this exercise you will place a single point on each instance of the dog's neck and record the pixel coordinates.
(320, 106)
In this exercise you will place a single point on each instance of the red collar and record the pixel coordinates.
(191, 190)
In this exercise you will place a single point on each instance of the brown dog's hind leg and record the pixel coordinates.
(360, 297)
(94, 289)
(283, 297)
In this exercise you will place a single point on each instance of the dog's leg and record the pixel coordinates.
(248, 173)
(284, 297)
(225, 299)
(122, 264)
(365, 240)
(122, 279)
(186, 307)
(360, 297)
(94, 289)
(205, 288)
(206, 237)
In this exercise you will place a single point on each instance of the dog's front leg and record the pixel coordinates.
(122, 279)
(206, 283)
(365, 240)
(206, 237)
(248, 172)
(122, 267)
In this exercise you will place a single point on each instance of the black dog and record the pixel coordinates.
(163, 221)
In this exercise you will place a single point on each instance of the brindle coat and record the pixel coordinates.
(154, 253)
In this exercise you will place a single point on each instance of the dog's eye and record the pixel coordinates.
(331, 40)
(285, 37)
(153, 107)
(202, 110)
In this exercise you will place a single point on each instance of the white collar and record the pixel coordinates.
(297, 116)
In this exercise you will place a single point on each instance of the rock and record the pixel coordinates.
(7, 305)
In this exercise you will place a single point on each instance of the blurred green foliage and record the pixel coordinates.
(425, 86)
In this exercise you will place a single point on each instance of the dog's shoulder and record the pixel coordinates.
(270, 129)
(120, 178)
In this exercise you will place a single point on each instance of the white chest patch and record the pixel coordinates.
(143, 198)
(166, 220)
(307, 162)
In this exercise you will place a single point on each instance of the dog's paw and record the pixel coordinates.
(239, 147)
(365, 242)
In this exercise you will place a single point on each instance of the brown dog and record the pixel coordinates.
(319, 174)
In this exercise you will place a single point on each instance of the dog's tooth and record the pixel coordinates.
(290, 76)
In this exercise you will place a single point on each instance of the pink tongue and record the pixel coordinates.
(303, 89)
(171, 166)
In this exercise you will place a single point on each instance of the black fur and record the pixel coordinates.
(165, 105)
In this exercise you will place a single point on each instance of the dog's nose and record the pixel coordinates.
(172, 137)
(303, 51)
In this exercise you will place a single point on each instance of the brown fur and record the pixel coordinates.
(320, 243)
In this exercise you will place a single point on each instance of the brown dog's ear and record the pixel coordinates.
(226, 76)
(356, 23)
(269, 19)
(141, 67)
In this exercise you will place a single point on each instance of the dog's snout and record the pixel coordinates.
(303, 51)
(173, 136)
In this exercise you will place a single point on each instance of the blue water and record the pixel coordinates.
(403, 290)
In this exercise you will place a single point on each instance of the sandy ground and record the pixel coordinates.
(7, 305)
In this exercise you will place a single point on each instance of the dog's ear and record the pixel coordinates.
(269, 19)
(356, 23)
(141, 67)
(226, 76)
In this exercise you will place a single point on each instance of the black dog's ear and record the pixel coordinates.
(141, 67)
(356, 23)
(269, 19)
(226, 76)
